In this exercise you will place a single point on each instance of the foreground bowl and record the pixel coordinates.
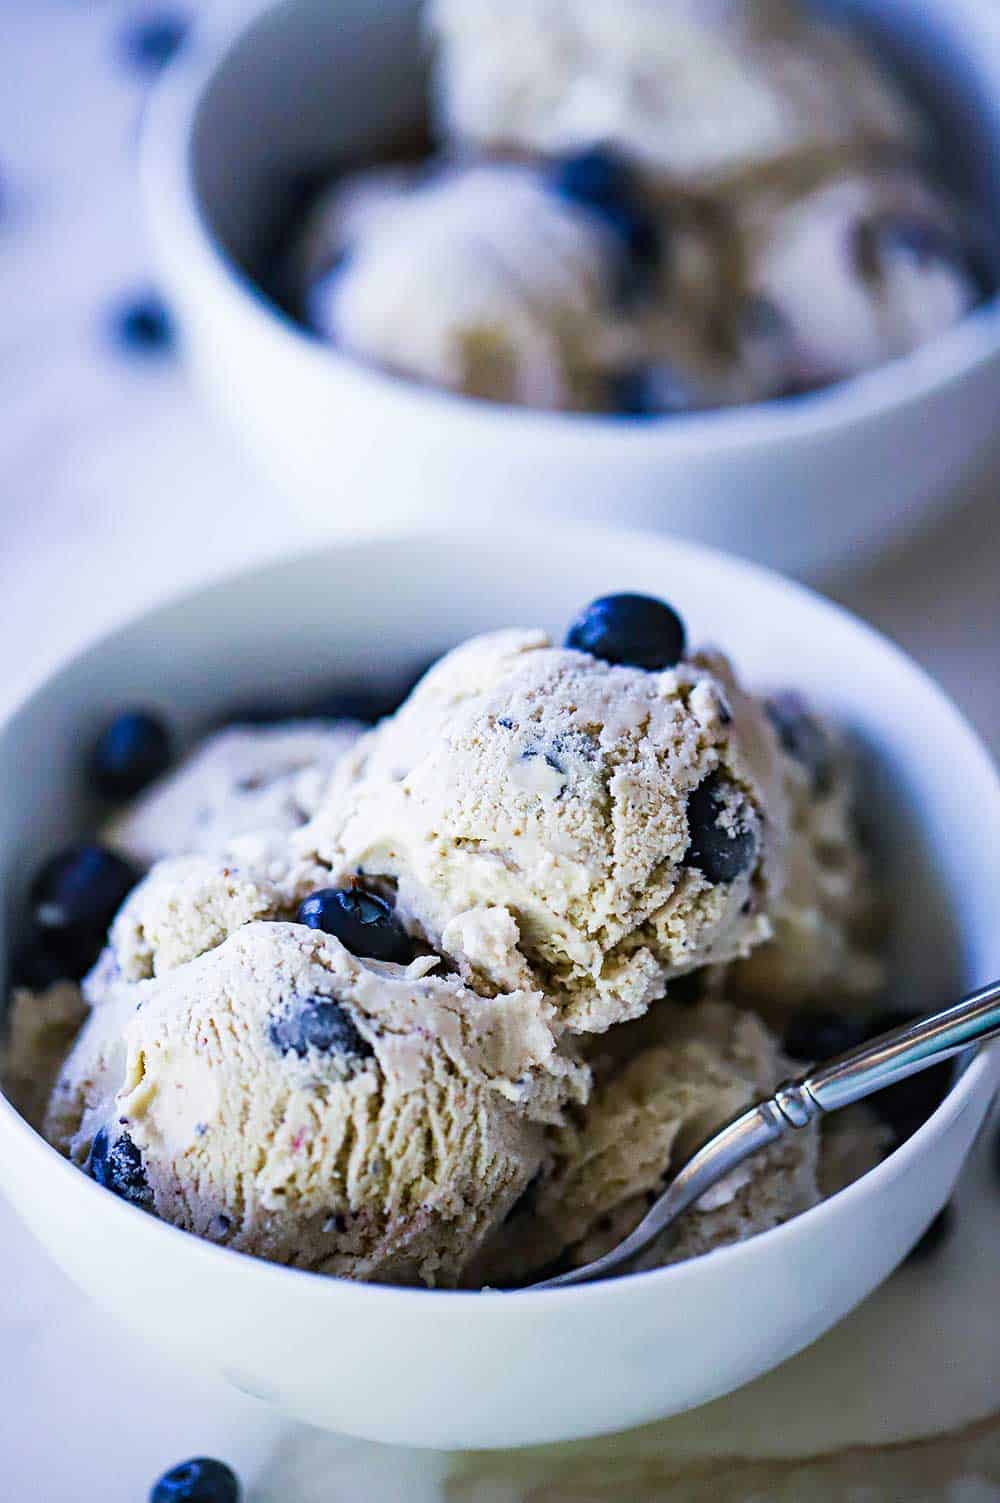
(468, 1370)
(802, 485)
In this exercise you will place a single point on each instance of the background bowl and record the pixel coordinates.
(467, 1370)
(803, 485)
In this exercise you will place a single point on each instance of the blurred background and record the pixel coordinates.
(117, 487)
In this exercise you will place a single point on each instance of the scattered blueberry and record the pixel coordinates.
(118, 1168)
(363, 922)
(149, 42)
(802, 737)
(907, 1105)
(142, 325)
(935, 1236)
(815, 1034)
(600, 180)
(719, 853)
(201, 1480)
(634, 630)
(649, 391)
(318, 1023)
(131, 752)
(74, 898)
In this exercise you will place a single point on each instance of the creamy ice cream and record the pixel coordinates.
(696, 91)
(665, 1084)
(246, 780)
(550, 820)
(279, 1096)
(829, 920)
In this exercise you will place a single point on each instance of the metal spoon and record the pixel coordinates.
(848, 1078)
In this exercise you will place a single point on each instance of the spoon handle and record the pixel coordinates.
(892, 1057)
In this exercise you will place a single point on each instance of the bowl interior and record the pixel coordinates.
(309, 86)
(366, 609)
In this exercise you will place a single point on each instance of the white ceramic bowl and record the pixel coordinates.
(466, 1370)
(803, 486)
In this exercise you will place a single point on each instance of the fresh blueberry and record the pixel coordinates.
(118, 1167)
(74, 898)
(906, 1106)
(649, 391)
(142, 325)
(816, 1034)
(363, 922)
(802, 737)
(597, 176)
(321, 1024)
(687, 990)
(149, 42)
(131, 752)
(935, 1236)
(636, 631)
(36, 965)
(200, 1480)
(721, 854)
(600, 180)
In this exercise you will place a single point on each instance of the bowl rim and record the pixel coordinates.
(982, 1068)
(184, 235)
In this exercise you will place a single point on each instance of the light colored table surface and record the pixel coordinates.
(114, 490)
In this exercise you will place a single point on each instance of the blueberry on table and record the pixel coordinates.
(151, 41)
(142, 325)
(635, 631)
(363, 922)
(720, 851)
(131, 752)
(935, 1236)
(802, 737)
(321, 1024)
(73, 900)
(813, 1035)
(200, 1480)
(118, 1167)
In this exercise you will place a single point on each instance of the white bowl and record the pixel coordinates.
(802, 485)
(468, 1370)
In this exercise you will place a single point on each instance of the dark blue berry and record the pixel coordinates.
(597, 176)
(36, 965)
(118, 1167)
(131, 752)
(649, 391)
(802, 737)
(935, 1237)
(149, 42)
(73, 900)
(636, 631)
(321, 1024)
(363, 922)
(906, 1106)
(600, 180)
(142, 325)
(816, 1034)
(720, 853)
(200, 1480)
